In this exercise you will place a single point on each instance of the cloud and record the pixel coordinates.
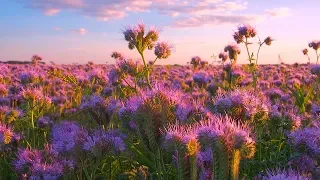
(278, 12)
(216, 20)
(57, 29)
(51, 12)
(186, 13)
(80, 31)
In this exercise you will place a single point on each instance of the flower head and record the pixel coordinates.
(163, 50)
(305, 51)
(315, 45)
(223, 56)
(233, 50)
(268, 40)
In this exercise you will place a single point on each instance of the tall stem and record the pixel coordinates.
(147, 74)
(317, 56)
(235, 165)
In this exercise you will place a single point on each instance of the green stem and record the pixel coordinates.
(193, 167)
(235, 164)
(147, 74)
(318, 55)
(259, 51)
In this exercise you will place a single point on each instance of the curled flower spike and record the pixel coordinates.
(36, 58)
(223, 56)
(163, 50)
(246, 31)
(305, 51)
(268, 40)
(117, 55)
(315, 45)
(233, 50)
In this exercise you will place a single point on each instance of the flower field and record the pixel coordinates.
(138, 120)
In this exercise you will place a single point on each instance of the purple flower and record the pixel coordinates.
(279, 174)
(201, 78)
(65, 136)
(101, 142)
(40, 164)
(44, 122)
(163, 50)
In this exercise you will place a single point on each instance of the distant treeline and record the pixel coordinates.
(19, 62)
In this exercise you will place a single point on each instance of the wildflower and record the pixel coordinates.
(114, 76)
(41, 164)
(195, 61)
(279, 174)
(183, 111)
(64, 136)
(315, 45)
(303, 163)
(246, 31)
(163, 50)
(103, 142)
(7, 136)
(223, 56)
(201, 78)
(117, 56)
(308, 138)
(315, 69)
(268, 40)
(233, 51)
(44, 122)
(305, 51)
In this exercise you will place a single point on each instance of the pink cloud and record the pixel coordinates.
(192, 13)
(278, 12)
(80, 31)
(216, 20)
(51, 12)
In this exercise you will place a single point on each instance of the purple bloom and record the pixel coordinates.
(64, 136)
(44, 122)
(40, 164)
(284, 175)
(101, 142)
(163, 50)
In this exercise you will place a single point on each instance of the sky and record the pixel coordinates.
(79, 31)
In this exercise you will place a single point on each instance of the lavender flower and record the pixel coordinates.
(283, 174)
(163, 50)
(104, 143)
(315, 45)
(41, 164)
(65, 136)
(233, 50)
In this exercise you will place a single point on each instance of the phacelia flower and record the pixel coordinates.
(223, 56)
(163, 50)
(233, 50)
(315, 45)
(279, 174)
(268, 40)
(305, 51)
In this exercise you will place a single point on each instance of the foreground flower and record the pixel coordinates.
(284, 175)
(41, 164)
(163, 50)
(223, 56)
(102, 143)
(244, 31)
(233, 51)
(315, 45)
(305, 51)
(268, 40)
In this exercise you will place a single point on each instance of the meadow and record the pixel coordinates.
(138, 120)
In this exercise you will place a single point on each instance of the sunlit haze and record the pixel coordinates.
(78, 31)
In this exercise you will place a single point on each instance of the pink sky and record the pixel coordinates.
(82, 30)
